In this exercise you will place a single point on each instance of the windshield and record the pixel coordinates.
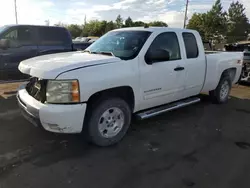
(123, 44)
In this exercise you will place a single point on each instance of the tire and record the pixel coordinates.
(224, 87)
(100, 132)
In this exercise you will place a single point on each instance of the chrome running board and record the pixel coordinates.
(172, 106)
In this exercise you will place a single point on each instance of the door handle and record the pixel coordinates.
(179, 69)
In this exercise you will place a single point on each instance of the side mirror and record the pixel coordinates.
(156, 55)
(4, 44)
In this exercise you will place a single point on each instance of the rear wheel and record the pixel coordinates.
(221, 93)
(109, 122)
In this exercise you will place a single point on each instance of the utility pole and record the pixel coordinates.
(185, 18)
(85, 20)
(15, 11)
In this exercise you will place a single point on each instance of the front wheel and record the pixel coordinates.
(221, 93)
(109, 122)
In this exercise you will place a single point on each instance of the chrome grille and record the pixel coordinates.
(37, 89)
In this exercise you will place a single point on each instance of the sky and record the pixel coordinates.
(74, 11)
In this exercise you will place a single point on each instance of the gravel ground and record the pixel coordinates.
(203, 145)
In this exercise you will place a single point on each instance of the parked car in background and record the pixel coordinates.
(20, 42)
(80, 39)
(92, 40)
(81, 45)
(85, 39)
(141, 71)
(77, 39)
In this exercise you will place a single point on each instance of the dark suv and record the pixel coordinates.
(20, 42)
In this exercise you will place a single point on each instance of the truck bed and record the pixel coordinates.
(212, 52)
(218, 61)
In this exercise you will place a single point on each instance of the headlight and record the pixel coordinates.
(63, 91)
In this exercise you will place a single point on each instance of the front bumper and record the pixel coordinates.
(59, 118)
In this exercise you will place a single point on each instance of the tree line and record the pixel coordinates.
(98, 28)
(221, 26)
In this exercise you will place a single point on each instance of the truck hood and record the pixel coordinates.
(50, 66)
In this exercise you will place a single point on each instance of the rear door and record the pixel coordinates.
(195, 63)
(53, 40)
(22, 45)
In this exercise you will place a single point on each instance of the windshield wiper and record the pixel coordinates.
(104, 53)
(87, 51)
(101, 52)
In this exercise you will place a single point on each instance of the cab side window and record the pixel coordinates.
(18, 37)
(166, 42)
(191, 46)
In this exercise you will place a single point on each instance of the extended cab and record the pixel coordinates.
(141, 71)
(20, 42)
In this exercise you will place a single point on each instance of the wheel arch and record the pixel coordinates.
(228, 74)
(229, 71)
(124, 92)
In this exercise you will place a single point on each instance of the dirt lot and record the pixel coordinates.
(203, 146)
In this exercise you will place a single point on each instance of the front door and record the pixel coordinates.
(163, 81)
(22, 46)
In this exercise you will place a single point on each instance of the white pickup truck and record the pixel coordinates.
(141, 71)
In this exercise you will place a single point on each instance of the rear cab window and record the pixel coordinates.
(53, 36)
(191, 46)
